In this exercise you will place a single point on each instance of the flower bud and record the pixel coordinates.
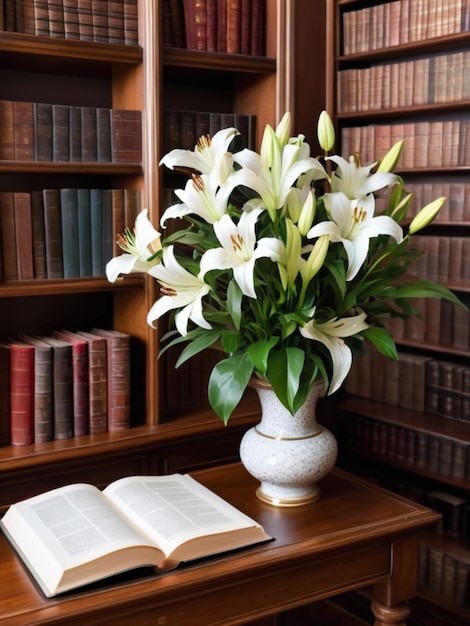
(283, 129)
(307, 214)
(293, 250)
(426, 215)
(325, 132)
(316, 258)
(390, 160)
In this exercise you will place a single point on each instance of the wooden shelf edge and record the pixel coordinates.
(129, 168)
(50, 286)
(37, 45)
(182, 57)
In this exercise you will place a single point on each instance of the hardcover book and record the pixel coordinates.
(156, 521)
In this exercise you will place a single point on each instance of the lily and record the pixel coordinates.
(180, 290)
(202, 196)
(240, 250)
(331, 334)
(210, 156)
(353, 224)
(141, 247)
(356, 181)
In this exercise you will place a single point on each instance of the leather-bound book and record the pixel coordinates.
(126, 135)
(53, 231)
(103, 135)
(131, 37)
(41, 18)
(118, 347)
(96, 216)
(43, 399)
(60, 133)
(5, 389)
(21, 393)
(211, 25)
(71, 26)
(234, 14)
(132, 206)
(24, 235)
(8, 235)
(195, 16)
(116, 21)
(42, 114)
(85, 20)
(89, 143)
(84, 232)
(23, 131)
(99, 10)
(118, 223)
(69, 224)
(62, 382)
(97, 381)
(26, 11)
(7, 136)
(39, 234)
(81, 385)
(75, 135)
(56, 18)
(108, 236)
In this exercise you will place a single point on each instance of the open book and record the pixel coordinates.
(75, 535)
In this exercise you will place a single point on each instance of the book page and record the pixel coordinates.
(173, 509)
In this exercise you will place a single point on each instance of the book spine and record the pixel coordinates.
(126, 135)
(8, 234)
(60, 133)
(96, 216)
(85, 20)
(108, 237)
(103, 135)
(69, 224)
(39, 235)
(63, 392)
(22, 394)
(99, 9)
(41, 18)
(56, 18)
(195, 15)
(43, 409)
(118, 220)
(75, 126)
(84, 232)
(5, 388)
(53, 232)
(71, 19)
(7, 137)
(98, 381)
(89, 143)
(131, 34)
(42, 114)
(23, 131)
(24, 235)
(116, 21)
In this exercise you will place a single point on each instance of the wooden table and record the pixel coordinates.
(354, 536)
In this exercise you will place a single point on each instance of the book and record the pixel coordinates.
(89, 143)
(71, 28)
(116, 21)
(53, 233)
(97, 223)
(43, 409)
(24, 235)
(42, 114)
(21, 393)
(7, 137)
(97, 381)
(62, 384)
(70, 234)
(5, 387)
(131, 37)
(84, 232)
(60, 132)
(85, 20)
(75, 134)
(156, 521)
(8, 236)
(126, 135)
(23, 131)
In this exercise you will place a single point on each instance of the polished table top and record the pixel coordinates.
(340, 542)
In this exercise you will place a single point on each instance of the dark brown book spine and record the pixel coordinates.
(89, 145)
(132, 206)
(56, 18)
(9, 15)
(22, 394)
(39, 235)
(41, 18)
(131, 35)
(62, 381)
(60, 132)
(43, 407)
(195, 16)
(75, 135)
(71, 26)
(53, 230)
(119, 390)
(85, 20)
(126, 135)
(7, 135)
(98, 382)
(211, 25)
(99, 10)
(8, 233)
(234, 26)
(116, 21)
(118, 219)
(42, 114)
(28, 17)
(23, 131)
(81, 400)
(103, 135)
(24, 235)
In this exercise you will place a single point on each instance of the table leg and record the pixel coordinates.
(387, 615)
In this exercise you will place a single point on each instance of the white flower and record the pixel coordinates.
(240, 250)
(330, 335)
(140, 245)
(353, 224)
(356, 181)
(180, 288)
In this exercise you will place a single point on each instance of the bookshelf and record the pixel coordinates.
(395, 71)
(149, 77)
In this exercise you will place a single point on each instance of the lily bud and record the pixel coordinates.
(390, 160)
(316, 258)
(426, 215)
(283, 129)
(307, 214)
(293, 204)
(293, 250)
(325, 132)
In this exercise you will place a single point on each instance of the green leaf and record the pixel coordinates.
(259, 352)
(423, 289)
(231, 340)
(284, 371)
(382, 341)
(200, 343)
(234, 303)
(227, 382)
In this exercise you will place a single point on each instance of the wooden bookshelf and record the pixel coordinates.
(358, 55)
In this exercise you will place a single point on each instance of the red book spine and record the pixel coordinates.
(22, 394)
(98, 382)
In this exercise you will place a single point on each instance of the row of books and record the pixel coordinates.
(402, 21)
(456, 208)
(63, 233)
(444, 143)
(106, 21)
(232, 26)
(182, 128)
(445, 259)
(32, 131)
(69, 384)
(417, 449)
(415, 382)
(436, 79)
(442, 323)
(444, 572)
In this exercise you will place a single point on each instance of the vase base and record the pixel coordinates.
(312, 496)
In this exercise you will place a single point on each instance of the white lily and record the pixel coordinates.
(210, 155)
(201, 196)
(139, 246)
(356, 181)
(273, 172)
(240, 250)
(353, 224)
(331, 334)
(180, 289)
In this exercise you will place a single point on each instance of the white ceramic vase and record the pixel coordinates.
(287, 453)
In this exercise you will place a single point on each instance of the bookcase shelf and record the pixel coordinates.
(239, 63)
(369, 417)
(68, 167)
(38, 287)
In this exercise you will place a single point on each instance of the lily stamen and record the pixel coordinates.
(168, 291)
(198, 183)
(203, 142)
(237, 242)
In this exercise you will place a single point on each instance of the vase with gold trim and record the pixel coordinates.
(288, 453)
